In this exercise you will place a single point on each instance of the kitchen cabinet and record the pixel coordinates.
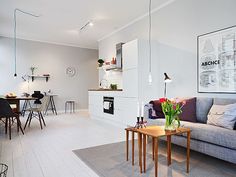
(130, 55)
(125, 102)
(125, 108)
(130, 83)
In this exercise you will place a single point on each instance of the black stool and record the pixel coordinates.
(71, 105)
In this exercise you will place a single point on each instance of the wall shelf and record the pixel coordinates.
(111, 67)
(38, 77)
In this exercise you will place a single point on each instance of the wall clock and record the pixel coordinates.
(70, 71)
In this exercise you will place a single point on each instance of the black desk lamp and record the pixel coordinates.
(167, 79)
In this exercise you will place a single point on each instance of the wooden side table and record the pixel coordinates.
(156, 132)
(132, 130)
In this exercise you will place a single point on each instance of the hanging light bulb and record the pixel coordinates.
(15, 75)
(150, 78)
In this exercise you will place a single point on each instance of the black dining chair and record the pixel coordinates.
(7, 113)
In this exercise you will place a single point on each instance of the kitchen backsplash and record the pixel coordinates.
(112, 77)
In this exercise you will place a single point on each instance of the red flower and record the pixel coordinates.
(162, 100)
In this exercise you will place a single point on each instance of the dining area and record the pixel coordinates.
(13, 108)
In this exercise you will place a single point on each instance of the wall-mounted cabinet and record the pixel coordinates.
(130, 55)
(130, 69)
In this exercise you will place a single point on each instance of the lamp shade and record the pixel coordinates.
(167, 78)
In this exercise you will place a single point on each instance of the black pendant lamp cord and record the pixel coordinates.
(27, 13)
(15, 40)
(149, 32)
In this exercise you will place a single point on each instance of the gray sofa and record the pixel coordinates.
(208, 139)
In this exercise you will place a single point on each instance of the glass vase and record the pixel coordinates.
(170, 124)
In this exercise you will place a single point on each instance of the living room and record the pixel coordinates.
(98, 65)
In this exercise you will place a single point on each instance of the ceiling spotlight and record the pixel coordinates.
(89, 23)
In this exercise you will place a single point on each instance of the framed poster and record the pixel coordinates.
(216, 53)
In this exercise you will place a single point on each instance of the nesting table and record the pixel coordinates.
(155, 132)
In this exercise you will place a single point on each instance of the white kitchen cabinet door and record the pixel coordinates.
(130, 83)
(130, 55)
(95, 111)
(128, 111)
(95, 99)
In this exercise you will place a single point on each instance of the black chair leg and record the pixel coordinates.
(9, 128)
(6, 125)
(40, 121)
(27, 121)
(31, 116)
(19, 125)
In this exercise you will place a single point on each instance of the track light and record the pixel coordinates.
(89, 23)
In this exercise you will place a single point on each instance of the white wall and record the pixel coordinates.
(52, 59)
(174, 33)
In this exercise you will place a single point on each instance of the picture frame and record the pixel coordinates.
(216, 61)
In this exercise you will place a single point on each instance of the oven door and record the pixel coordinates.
(108, 105)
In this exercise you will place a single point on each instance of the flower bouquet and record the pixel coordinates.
(171, 109)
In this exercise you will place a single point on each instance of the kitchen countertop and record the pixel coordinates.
(101, 89)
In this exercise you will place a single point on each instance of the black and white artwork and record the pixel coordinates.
(217, 61)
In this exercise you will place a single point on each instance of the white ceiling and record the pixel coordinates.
(61, 20)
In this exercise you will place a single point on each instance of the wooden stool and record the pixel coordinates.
(71, 105)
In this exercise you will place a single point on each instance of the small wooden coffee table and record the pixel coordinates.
(156, 132)
(132, 130)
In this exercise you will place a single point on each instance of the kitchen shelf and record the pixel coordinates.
(110, 67)
(38, 77)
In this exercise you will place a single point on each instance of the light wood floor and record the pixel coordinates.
(48, 152)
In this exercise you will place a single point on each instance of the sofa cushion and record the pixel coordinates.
(158, 109)
(224, 101)
(222, 115)
(203, 106)
(189, 110)
(206, 133)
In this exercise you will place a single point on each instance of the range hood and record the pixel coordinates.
(118, 65)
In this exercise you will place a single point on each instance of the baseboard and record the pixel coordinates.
(76, 111)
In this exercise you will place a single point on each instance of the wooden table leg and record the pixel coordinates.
(153, 147)
(127, 145)
(144, 152)
(133, 148)
(188, 150)
(168, 150)
(156, 156)
(140, 151)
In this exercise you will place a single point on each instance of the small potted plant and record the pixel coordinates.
(113, 86)
(32, 68)
(100, 62)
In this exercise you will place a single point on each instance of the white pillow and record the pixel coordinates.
(222, 116)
